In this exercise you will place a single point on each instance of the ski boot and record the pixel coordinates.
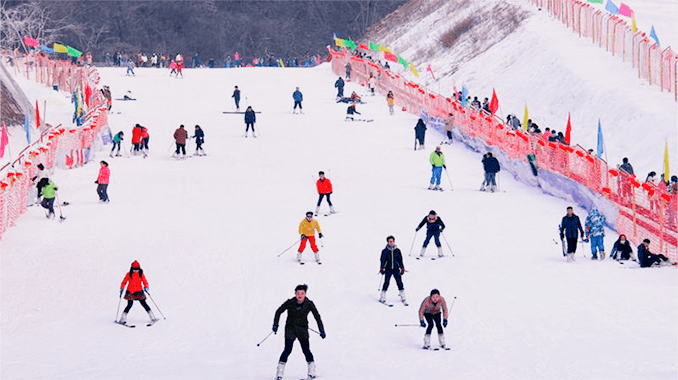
(280, 371)
(123, 319)
(150, 314)
(382, 297)
(441, 340)
(427, 342)
(423, 252)
(317, 257)
(299, 257)
(317, 209)
(332, 210)
(311, 370)
(440, 252)
(402, 297)
(431, 187)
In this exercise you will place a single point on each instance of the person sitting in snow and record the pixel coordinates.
(350, 111)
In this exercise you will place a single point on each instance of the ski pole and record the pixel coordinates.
(156, 305)
(314, 331)
(381, 279)
(448, 244)
(118, 311)
(321, 243)
(407, 325)
(413, 240)
(61, 216)
(448, 179)
(293, 244)
(269, 334)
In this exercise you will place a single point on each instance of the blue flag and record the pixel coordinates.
(27, 128)
(599, 151)
(653, 34)
(464, 95)
(611, 7)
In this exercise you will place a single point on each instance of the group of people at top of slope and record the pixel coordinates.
(571, 229)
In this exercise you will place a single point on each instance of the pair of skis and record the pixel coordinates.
(133, 326)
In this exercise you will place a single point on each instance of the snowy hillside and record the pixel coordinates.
(207, 232)
(543, 65)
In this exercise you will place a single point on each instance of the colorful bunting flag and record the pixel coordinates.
(653, 34)
(350, 44)
(568, 130)
(525, 119)
(464, 95)
(494, 104)
(601, 144)
(595, 1)
(611, 7)
(59, 48)
(27, 127)
(624, 10)
(339, 42)
(4, 140)
(430, 70)
(390, 57)
(414, 70)
(363, 46)
(73, 52)
(374, 46)
(46, 49)
(634, 28)
(29, 41)
(403, 62)
(666, 160)
(383, 48)
(37, 115)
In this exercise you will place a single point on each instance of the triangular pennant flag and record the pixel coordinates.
(37, 115)
(595, 1)
(27, 127)
(73, 52)
(4, 140)
(374, 46)
(29, 41)
(430, 70)
(494, 104)
(624, 10)
(403, 62)
(634, 28)
(339, 42)
(611, 7)
(414, 70)
(601, 144)
(46, 49)
(666, 160)
(525, 119)
(568, 130)
(653, 34)
(464, 95)
(59, 48)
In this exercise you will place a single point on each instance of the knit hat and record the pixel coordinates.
(435, 291)
(432, 212)
(135, 264)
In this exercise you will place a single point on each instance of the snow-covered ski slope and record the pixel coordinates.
(207, 231)
(543, 65)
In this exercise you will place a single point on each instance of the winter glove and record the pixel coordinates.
(444, 322)
(444, 167)
(303, 236)
(562, 236)
(382, 270)
(323, 335)
(402, 270)
(275, 329)
(97, 182)
(121, 290)
(146, 290)
(416, 229)
(422, 323)
(320, 235)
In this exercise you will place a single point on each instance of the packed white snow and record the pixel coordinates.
(207, 232)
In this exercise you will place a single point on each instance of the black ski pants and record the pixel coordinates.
(248, 127)
(116, 144)
(571, 245)
(396, 275)
(305, 348)
(297, 103)
(48, 203)
(102, 191)
(433, 318)
(182, 148)
(320, 199)
(432, 234)
(142, 302)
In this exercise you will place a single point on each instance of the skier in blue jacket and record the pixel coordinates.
(298, 97)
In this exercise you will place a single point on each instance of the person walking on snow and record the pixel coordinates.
(339, 84)
(449, 124)
(434, 227)
(437, 160)
(392, 265)
(307, 229)
(48, 193)
(298, 97)
(296, 327)
(595, 233)
(137, 139)
(117, 140)
(491, 167)
(324, 190)
(180, 136)
(420, 133)
(430, 311)
(236, 97)
(199, 137)
(569, 227)
(102, 182)
(250, 119)
(40, 180)
(137, 286)
(372, 83)
(390, 101)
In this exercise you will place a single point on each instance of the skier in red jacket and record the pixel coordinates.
(324, 189)
(135, 291)
(137, 131)
(102, 182)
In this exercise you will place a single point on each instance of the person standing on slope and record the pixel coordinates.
(437, 160)
(595, 233)
(430, 312)
(250, 119)
(307, 229)
(137, 139)
(390, 101)
(568, 229)
(236, 97)
(491, 167)
(420, 133)
(449, 124)
(117, 140)
(339, 84)
(298, 97)
(372, 83)
(180, 136)
(392, 265)
(102, 182)
(199, 137)
(324, 187)
(40, 180)
(48, 193)
(135, 291)
(434, 227)
(296, 327)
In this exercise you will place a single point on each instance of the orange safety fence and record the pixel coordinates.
(642, 210)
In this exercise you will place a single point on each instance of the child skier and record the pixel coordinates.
(135, 277)
(324, 187)
(392, 265)
(431, 310)
(307, 229)
(434, 227)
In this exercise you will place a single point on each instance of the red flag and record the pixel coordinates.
(494, 104)
(429, 69)
(4, 140)
(30, 41)
(568, 130)
(37, 115)
(391, 57)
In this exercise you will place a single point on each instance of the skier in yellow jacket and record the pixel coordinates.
(307, 229)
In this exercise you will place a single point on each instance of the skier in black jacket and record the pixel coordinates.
(392, 265)
(434, 226)
(491, 167)
(568, 229)
(296, 327)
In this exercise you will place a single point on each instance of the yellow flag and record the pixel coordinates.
(59, 48)
(666, 161)
(382, 47)
(413, 70)
(339, 42)
(525, 119)
(282, 64)
(633, 23)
